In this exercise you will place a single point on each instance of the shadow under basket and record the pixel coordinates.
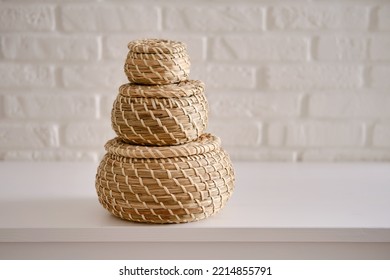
(170, 184)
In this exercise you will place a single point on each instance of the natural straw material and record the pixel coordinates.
(157, 62)
(160, 115)
(165, 184)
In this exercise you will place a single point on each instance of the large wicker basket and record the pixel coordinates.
(175, 184)
(160, 115)
(157, 62)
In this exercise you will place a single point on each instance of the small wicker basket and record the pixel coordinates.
(157, 62)
(174, 184)
(160, 115)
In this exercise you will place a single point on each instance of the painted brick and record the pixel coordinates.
(214, 18)
(49, 47)
(106, 103)
(50, 106)
(1, 106)
(260, 48)
(26, 75)
(324, 134)
(104, 17)
(115, 46)
(28, 135)
(380, 46)
(261, 154)
(345, 155)
(381, 136)
(88, 134)
(254, 104)
(225, 76)
(319, 16)
(384, 17)
(350, 105)
(26, 17)
(39, 155)
(103, 75)
(236, 133)
(342, 48)
(380, 76)
(196, 45)
(314, 76)
(276, 134)
(333, 54)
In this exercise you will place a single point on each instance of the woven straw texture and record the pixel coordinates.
(160, 115)
(157, 62)
(165, 184)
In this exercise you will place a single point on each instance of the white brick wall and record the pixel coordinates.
(320, 16)
(52, 47)
(50, 107)
(14, 75)
(106, 17)
(26, 17)
(314, 76)
(28, 135)
(259, 48)
(286, 80)
(213, 17)
(342, 48)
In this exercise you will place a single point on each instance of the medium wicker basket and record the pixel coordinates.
(157, 62)
(160, 115)
(174, 184)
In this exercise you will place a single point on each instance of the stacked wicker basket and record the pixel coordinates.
(162, 167)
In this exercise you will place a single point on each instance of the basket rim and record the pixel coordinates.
(203, 144)
(156, 46)
(185, 88)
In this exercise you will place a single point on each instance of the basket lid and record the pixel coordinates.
(204, 144)
(154, 46)
(182, 89)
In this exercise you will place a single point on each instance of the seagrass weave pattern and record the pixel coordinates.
(175, 184)
(162, 167)
(160, 115)
(157, 62)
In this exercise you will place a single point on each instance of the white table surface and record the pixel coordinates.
(273, 202)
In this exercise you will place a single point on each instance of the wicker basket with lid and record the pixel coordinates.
(160, 115)
(157, 62)
(172, 184)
